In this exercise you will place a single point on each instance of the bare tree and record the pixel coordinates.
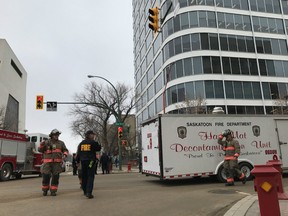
(281, 106)
(197, 106)
(97, 105)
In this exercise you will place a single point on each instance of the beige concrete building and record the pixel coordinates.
(13, 80)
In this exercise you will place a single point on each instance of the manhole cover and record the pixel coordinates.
(221, 191)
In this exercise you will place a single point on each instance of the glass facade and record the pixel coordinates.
(231, 53)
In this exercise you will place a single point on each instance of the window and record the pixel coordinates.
(247, 90)
(216, 66)
(238, 90)
(226, 65)
(204, 41)
(187, 66)
(207, 65)
(18, 71)
(256, 90)
(229, 89)
(218, 88)
(197, 65)
(209, 89)
(186, 43)
(235, 66)
(244, 66)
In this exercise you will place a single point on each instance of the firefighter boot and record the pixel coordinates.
(53, 193)
(89, 196)
(229, 184)
(244, 180)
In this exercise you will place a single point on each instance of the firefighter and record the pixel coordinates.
(54, 150)
(232, 151)
(86, 153)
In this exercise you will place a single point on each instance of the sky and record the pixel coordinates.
(60, 42)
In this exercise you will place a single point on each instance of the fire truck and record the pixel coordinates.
(18, 156)
(185, 146)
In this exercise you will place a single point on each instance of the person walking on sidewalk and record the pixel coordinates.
(231, 148)
(104, 163)
(74, 164)
(53, 151)
(86, 154)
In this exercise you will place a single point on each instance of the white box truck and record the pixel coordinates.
(181, 146)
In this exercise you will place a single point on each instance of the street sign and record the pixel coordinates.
(51, 106)
(119, 123)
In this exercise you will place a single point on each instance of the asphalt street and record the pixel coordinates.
(122, 194)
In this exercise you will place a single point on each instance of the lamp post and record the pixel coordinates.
(117, 115)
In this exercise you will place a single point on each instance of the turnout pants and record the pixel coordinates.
(51, 170)
(88, 175)
(231, 168)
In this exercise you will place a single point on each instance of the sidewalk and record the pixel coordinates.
(249, 206)
(124, 169)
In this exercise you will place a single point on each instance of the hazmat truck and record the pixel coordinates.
(185, 146)
(17, 156)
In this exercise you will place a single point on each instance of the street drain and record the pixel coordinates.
(221, 191)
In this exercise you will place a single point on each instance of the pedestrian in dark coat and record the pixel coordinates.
(104, 163)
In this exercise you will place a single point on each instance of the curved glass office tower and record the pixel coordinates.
(231, 53)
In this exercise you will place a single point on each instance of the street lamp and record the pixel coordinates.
(117, 115)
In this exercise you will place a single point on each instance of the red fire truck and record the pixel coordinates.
(17, 156)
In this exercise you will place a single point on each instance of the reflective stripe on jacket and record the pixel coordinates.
(231, 149)
(53, 151)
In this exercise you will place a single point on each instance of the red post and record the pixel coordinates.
(277, 165)
(129, 167)
(265, 183)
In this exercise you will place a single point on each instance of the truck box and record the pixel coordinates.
(181, 146)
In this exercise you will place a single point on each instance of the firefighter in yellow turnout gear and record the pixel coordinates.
(53, 151)
(231, 148)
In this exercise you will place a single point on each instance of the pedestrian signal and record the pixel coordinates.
(154, 19)
(120, 132)
(39, 102)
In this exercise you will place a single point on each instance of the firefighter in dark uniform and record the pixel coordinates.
(231, 148)
(86, 154)
(54, 150)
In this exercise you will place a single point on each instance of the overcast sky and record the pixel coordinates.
(60, 42)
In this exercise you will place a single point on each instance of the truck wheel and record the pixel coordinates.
(246, 169)
(6, 172)
(221, 176)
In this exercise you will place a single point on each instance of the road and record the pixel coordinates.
(121, 194)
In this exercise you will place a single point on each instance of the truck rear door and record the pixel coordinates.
(282, 131)
(150, 148)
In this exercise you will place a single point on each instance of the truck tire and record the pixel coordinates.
(221, 176)
(246, 169)
(6, 172)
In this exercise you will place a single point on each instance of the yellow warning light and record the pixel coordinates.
(266, 186)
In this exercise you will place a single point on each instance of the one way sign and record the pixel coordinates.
(51, 106)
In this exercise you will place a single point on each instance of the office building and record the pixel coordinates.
(228, 53)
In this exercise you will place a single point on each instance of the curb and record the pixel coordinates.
(242, 206)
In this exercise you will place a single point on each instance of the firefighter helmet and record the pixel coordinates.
(54, 131)
(227, 132)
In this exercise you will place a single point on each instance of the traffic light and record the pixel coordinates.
(39, 102)
(154, 19)
(120, 132)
